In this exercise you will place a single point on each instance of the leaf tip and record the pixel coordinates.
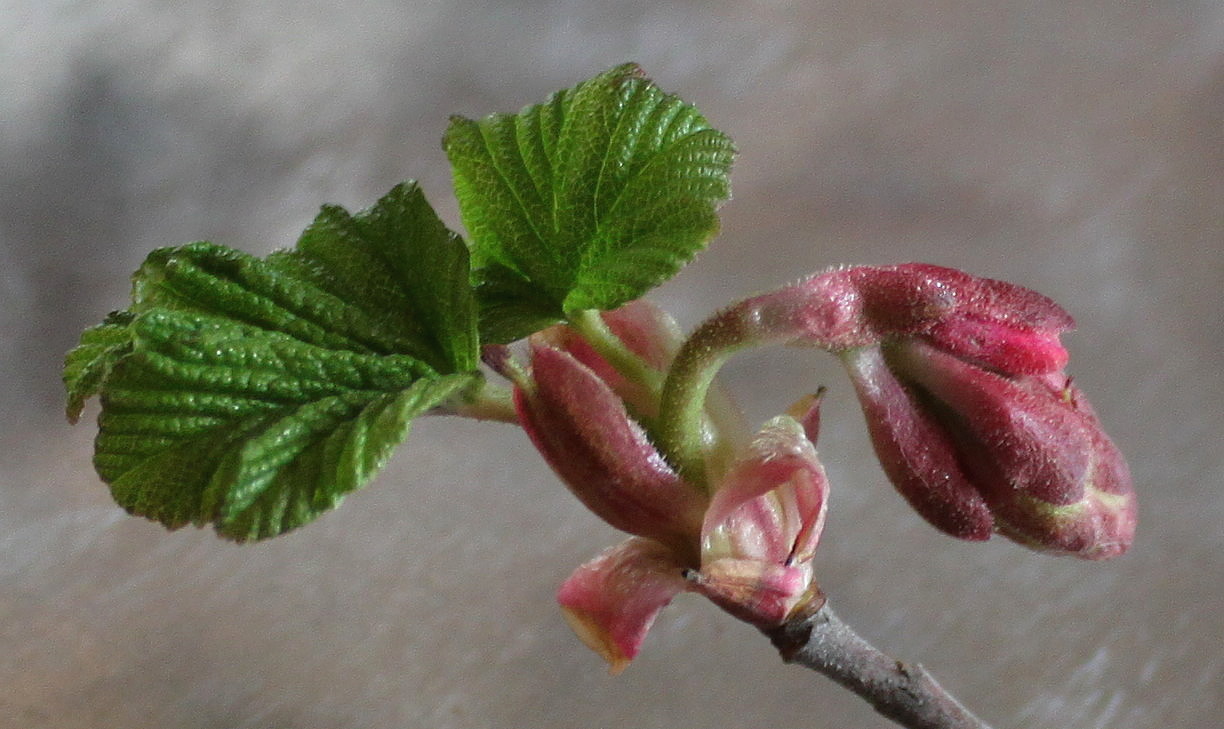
(629, 69)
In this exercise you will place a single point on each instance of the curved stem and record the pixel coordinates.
(718, 434)
(682, 413)
(753, 322)
(905, 693)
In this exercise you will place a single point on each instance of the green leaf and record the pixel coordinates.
(510, 306)
(587, 200)
(391, 279)
(87, 366)
(208, 420)
(254, 394)
(398, 256)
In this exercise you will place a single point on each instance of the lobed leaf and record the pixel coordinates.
(208, 420)
(254, 394)
(391, 279)
(587, 200)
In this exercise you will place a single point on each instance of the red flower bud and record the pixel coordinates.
(970, 414)
(1035, 450)
(976, 450)
(917, 454)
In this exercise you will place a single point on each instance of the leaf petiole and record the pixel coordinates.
(489, 402)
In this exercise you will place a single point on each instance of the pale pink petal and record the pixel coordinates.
(771, 504)
(612, 601)
(759, 593)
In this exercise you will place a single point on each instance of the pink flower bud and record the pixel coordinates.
(1023, 455)
(976, 450)
(584, 432)
(748, 548)
(917, 454)
(752, 556)
(1035, 450)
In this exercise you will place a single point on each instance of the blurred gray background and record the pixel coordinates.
(1073, 147)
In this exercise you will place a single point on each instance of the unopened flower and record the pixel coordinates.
(752, 556)
(602, 454)
(977, 451)
(978, 427)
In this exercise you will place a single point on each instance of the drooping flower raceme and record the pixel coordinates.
(976, 423)
(747, 543)
(971, 414)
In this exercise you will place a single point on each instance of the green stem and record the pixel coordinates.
(685, 436)
(722, 430)
(591, 325)
(490, 402)
(683, 430)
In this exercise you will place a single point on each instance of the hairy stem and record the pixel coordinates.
(716, 431)
(682, 415)
(752, 322)
(902, 692)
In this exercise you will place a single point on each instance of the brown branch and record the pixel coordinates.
(904, 693)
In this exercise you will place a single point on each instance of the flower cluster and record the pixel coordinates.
(967, 404)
